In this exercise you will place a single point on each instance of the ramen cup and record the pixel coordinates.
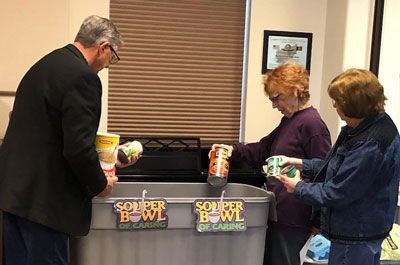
(107, 148)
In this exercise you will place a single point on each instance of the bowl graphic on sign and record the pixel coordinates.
(214, 216)
(135, 216)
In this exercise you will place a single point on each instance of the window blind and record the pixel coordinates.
(180, 72)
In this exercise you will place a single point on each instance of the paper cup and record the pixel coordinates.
(107, 148)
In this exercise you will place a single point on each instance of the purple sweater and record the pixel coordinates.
(304, 135)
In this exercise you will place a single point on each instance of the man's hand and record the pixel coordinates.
(126, 161)
(108, 189)
(131, 160)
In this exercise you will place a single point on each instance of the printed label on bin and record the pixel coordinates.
(139, 214)
(214, 216)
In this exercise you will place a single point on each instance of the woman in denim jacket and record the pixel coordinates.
(358, 198)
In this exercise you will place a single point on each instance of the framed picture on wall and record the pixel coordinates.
(282, 46)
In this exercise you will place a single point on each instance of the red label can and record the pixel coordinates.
(219, 167)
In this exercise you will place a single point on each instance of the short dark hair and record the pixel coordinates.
(357, 93)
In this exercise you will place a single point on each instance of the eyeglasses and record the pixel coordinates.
(114, 56)
(275, 99)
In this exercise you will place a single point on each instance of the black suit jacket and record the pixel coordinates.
(49, 168)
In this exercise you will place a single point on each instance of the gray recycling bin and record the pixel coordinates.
(180, 243)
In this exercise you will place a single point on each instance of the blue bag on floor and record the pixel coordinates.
(319, 248)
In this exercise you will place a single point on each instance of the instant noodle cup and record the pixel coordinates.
(107, 148)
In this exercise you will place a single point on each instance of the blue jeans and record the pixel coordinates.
(366, 253)
(29, 243)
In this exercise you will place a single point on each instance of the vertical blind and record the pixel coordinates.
(180, 72)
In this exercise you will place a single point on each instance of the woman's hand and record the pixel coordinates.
(227, 147)
(287, 161)
(290, 183)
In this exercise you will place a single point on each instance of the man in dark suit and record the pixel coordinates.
(49, 166)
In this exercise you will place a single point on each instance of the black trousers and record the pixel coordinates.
(282, 245)
(29, 243)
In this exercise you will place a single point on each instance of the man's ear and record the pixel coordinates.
(102, 47)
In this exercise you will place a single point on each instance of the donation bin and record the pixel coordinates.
(180, 242)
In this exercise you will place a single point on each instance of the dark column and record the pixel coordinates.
(376, 37)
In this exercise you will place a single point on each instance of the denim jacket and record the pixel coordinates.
(358, 198)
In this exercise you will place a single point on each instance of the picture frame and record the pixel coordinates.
(282, 46)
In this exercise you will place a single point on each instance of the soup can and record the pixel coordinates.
(129, 150)
(219, 167)
(290, 171)
(107, 148)
(273, 168)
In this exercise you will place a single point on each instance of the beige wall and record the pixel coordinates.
(389, 70)
(347, 44)
(341, 30)
(34, 28)
(286, 15)
(341, 39)
(29, 30)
